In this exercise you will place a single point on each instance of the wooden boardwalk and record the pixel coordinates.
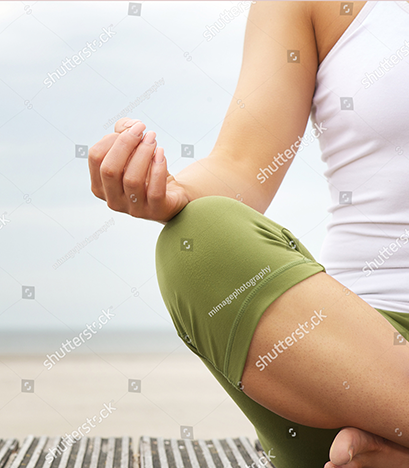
(96, 452)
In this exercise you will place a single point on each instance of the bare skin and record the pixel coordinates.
(123, 169)
(375, 382)
(369, 451)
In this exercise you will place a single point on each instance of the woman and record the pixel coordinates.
(308, 353)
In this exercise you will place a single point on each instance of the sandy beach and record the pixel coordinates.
(176, 390)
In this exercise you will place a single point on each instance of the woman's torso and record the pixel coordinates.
(361, 97)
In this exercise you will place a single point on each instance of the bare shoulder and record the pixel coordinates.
(325, 20)
(330, 20)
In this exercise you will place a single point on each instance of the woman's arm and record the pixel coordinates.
(267, 114)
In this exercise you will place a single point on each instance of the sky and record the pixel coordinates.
(47, 124)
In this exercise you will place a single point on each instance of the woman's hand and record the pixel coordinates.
(131, 177)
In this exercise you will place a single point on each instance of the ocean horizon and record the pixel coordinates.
(23, 342)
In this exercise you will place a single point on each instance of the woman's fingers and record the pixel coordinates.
(136, 174)
(96, 155)
(112, 167)
(124, 123)
(156, 192)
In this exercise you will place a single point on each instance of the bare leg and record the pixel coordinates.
(345, 372)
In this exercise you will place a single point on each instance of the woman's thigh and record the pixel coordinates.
(347, 370)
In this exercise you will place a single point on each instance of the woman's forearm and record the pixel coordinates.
(218, 174)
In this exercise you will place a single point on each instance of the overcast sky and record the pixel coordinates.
(45, 197)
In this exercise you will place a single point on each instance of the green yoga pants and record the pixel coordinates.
(220, 264)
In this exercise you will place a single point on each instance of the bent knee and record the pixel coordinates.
(198, 239)
(203, 234)
(219, 239)
(221, 234)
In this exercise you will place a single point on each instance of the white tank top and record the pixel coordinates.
(362, 99)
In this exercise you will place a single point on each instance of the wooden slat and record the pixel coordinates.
(162, 453)
(170, 457)
(95, 453)
(214, 453)
(222, 454)
(51, 444)
(65, 456)
(81, 452)
(37, 452)
(145, 452)
(89, 451)
(8, 447)
(191, 453)
(206, 454)
(22, 452)
(254, 456)
(200, 454)
(111, 452)
(126, 452)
